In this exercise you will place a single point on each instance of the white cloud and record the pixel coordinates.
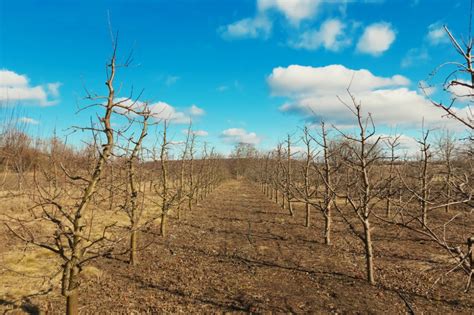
(16, 88)
(196, 111)
(298, 151)
(53, 88)
(259, 26)
(312, 92)
(12, 79)
(200, 133)
(330, 36)
(415, 56)
(28, 120)
(406, 145)
(426, 88)
(461, 90)
(239, 135)
(165, 111)
(436, 34)
(376, 39)
(159, 110)
(297, 80)
(294, 10)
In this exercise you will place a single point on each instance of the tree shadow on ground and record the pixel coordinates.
(26, 305)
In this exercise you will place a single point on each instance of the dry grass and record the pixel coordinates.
(27, 270)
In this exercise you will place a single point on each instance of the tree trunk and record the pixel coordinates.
(72, 303)
(288, 177)
(470, 253)
(163, 224)
(424, 216)
(133, 248)
(289, 204)
(369, 255)
(470, 245)
(327, 226)
(448, 191)
(424, 180)
(307, 223)
(111, 191)
(190, 204)
(69, 288)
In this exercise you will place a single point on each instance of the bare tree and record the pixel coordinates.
(421, 186)
(277, 172)
(131, 205)
(460, 81)
(328, 174)
(182, 170)
(74, 240)
(446, 149)
(288, 177)
(414, 222)
(167, 194)
(366, 192)
(424, 175)
(309, 189)
(392, 143)
(191, 178)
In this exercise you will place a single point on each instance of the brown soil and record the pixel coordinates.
(239, 252)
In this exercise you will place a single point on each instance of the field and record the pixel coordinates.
(239, 252)
(248, 157)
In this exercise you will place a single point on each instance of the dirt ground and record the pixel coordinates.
(240, 252)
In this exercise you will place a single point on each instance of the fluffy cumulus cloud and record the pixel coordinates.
(10, 78)
(16, 88)
(199, 133)
(161, 110)
(461, 90)
(165, 111)
(376, 39)
(294, 10)
(239, 135)
(313, 92)
(462, 93)
(259, 26)
(437, 34)
(196, 111)
(330, 36)
(297, 80)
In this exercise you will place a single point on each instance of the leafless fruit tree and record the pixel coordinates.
(133, 204)
(366, 189)
(67, 206)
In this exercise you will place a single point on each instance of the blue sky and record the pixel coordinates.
(248, 70)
